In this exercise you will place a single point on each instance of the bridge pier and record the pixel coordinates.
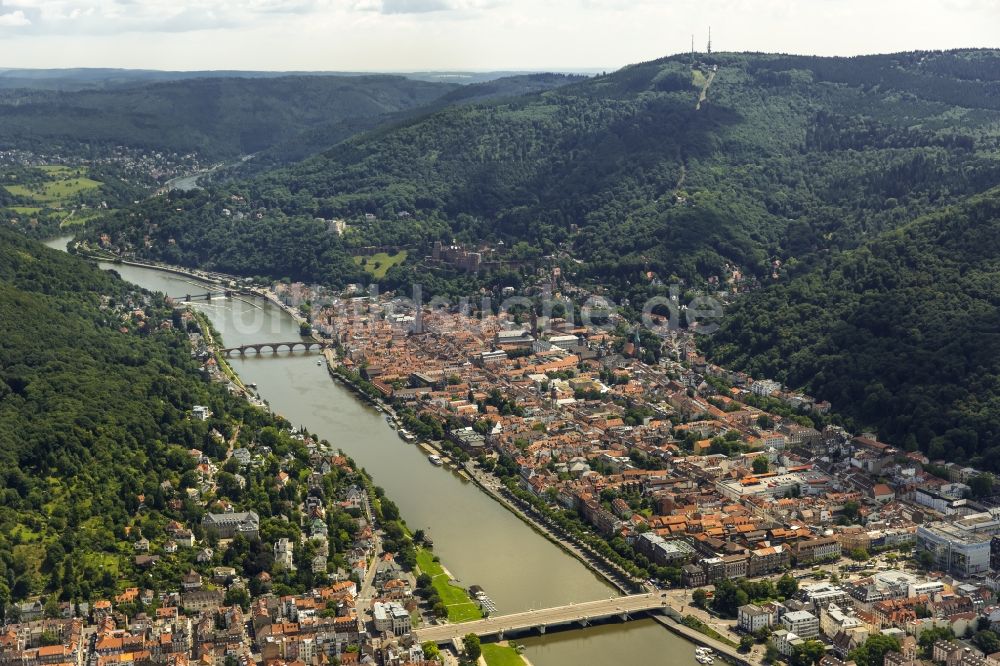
(541, 629)
(584, 622)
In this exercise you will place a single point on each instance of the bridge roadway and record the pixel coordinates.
(582, 614)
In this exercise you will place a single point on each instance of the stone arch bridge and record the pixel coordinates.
(275, 347)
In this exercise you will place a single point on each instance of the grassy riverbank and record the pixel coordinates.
(461, 608)
(501, 655)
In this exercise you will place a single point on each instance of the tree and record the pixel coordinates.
(746, 642)
(987, 641)
(760, 465)
(431, 650)
(728, 597)
(49, 637)
(982, 486)
(852, 510)
(787, 586)
(930, 636)
(473, 649)
(808, 653)
(699, 597)
(771, 653)
(52, 609)
(858, 554)
(873, 651)
(238, 596)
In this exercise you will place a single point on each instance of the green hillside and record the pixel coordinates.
(96, 388)
(215, 117)
(901, 334)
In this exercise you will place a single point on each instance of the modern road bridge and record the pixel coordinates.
(582, 614)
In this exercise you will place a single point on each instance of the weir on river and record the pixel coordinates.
(479, 541)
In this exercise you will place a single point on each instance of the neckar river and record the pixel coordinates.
(479, 541)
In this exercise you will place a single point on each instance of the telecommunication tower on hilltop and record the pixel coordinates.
(709, 40)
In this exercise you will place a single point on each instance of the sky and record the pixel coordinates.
(422, 35)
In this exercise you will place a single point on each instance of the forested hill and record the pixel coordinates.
(902, 334)
(787, 156)
(287, 118)
(331, 132)
(96, 388)
(215, 117)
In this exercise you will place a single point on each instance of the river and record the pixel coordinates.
(479, 541)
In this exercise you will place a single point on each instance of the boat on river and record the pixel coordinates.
(435, 459)
(406, 435)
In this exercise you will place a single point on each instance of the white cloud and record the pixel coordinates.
(413, 6)
(117, 16)
(15, 19)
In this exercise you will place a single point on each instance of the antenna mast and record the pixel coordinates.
(710, 40)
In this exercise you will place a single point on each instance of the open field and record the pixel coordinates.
(54, 191)
(379, 264)
(460, 607)
(81, 218)
(62, 171)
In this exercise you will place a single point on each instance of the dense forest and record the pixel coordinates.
(902, 334)
(333, 131)
(284, 117)
(218, 118)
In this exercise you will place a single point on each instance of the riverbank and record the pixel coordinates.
(502, 654)
(492, 487)
(216, 280)
(461, 607)
(721, 649)
(210, 334)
